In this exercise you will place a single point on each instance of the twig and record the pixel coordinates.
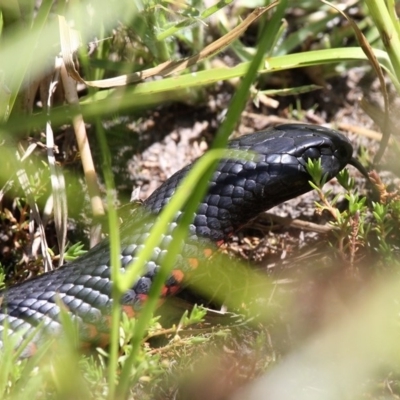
(71, 95)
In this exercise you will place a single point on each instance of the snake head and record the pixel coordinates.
(241, 189)
(319, 143)
(287, 148)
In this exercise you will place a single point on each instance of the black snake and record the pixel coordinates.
(238, 191)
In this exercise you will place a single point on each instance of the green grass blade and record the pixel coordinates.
(299, 60)
(389, 31)
(114, 258)
(143, 95)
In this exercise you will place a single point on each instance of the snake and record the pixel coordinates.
(239, 190)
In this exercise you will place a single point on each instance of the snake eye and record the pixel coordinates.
(312, 153)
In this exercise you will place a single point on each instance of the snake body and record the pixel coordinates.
(238, 191)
